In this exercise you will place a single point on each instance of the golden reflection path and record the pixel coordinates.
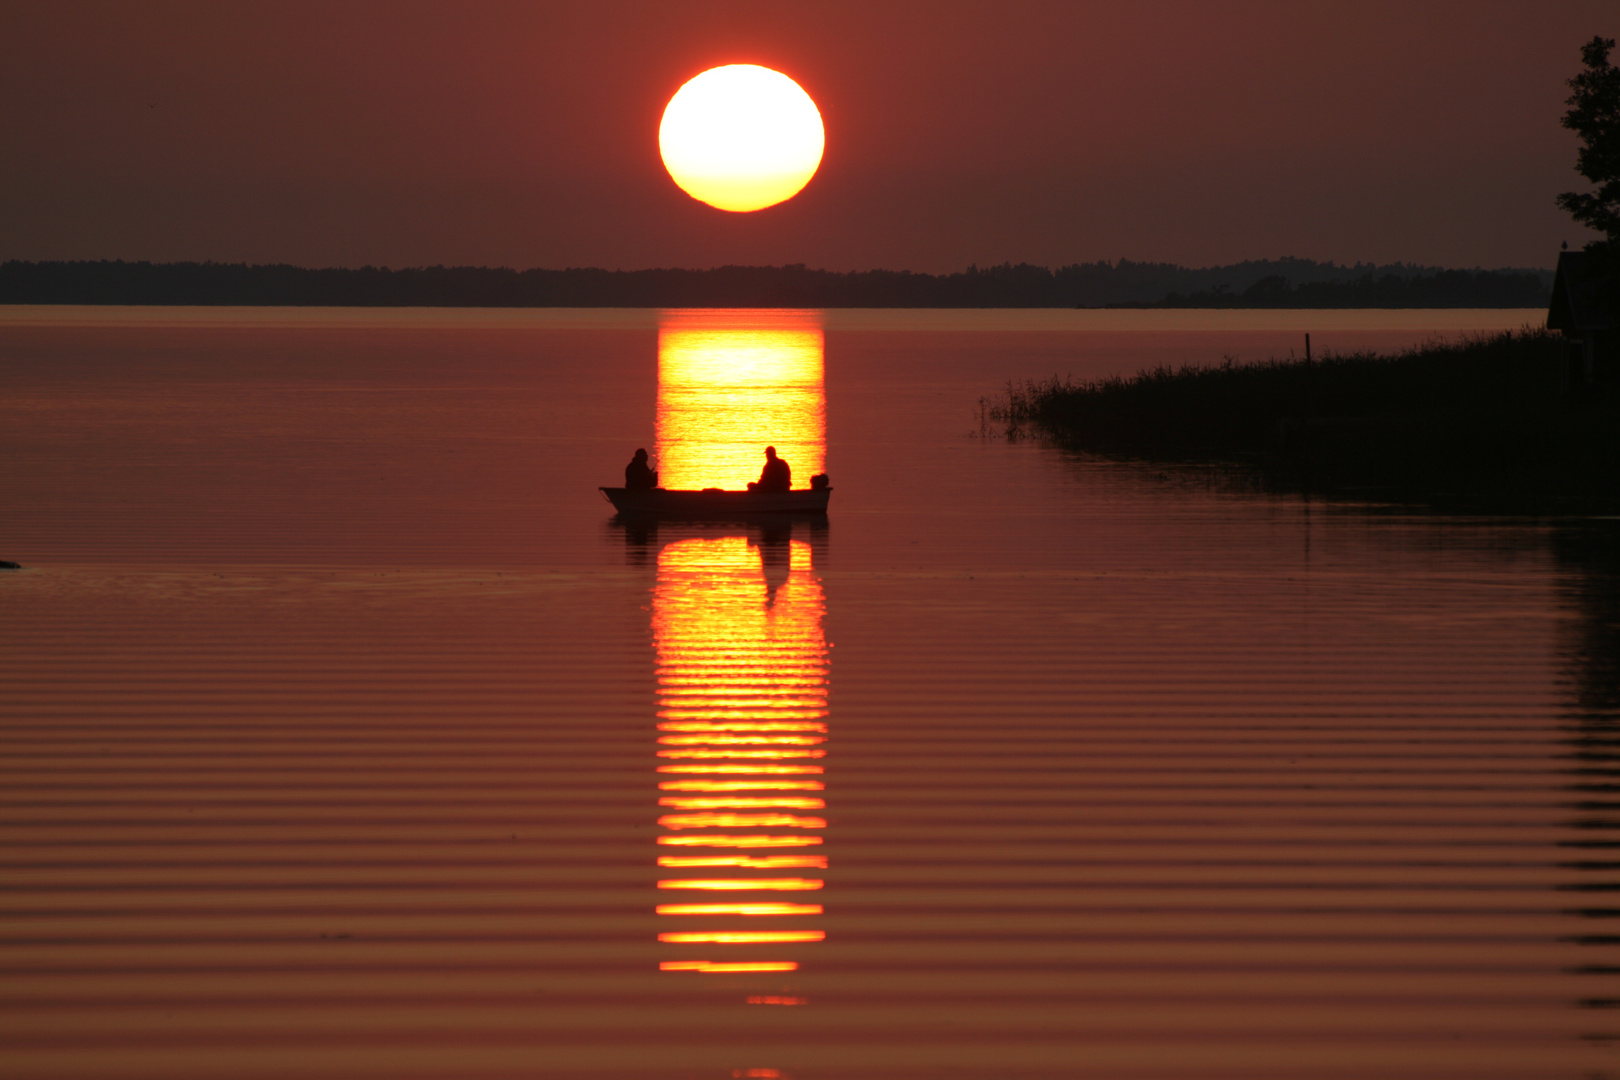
(731, 383)
(742, 659)
(742, 723)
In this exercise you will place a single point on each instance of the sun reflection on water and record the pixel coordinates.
(742, 665)
(741, 652)
(731, 383)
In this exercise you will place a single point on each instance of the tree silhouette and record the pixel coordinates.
(1594, 115)
(1286, 282)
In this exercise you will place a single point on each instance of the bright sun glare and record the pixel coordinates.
(741, 137)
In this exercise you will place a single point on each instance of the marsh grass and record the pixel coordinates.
(1485, 414)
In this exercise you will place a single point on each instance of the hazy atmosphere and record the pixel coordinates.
(521, 134)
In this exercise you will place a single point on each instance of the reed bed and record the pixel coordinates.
(1484, 413)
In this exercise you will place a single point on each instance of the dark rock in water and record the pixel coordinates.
(4, 565)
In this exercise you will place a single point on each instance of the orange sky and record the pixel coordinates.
(524, 134)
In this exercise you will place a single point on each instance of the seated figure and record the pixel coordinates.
(638, 475)
(775, 477)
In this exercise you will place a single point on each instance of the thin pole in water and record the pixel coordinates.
(1307, 348)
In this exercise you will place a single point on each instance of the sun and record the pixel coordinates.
(741, 137)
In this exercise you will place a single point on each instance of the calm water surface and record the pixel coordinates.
(348, 735)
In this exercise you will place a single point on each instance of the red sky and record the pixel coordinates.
(525, 134)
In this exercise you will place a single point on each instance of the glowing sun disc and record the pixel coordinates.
(741, 137)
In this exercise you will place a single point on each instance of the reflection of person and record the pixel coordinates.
(775, 558)
(775, 476)
(638, 474)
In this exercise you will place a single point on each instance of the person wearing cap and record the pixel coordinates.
(775, 477)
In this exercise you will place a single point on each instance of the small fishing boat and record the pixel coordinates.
(716, 502)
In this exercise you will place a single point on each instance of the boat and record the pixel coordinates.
(716, 502)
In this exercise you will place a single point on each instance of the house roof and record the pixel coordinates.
(1577, 295)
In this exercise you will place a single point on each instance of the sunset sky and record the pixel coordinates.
(525, 134)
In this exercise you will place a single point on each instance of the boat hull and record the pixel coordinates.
(715, 503)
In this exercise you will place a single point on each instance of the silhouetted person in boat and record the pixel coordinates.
(638, 474)
(775, 476)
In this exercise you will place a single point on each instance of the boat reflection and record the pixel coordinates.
(742, 722)
(731, 383)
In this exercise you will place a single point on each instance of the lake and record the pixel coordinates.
(348, 734)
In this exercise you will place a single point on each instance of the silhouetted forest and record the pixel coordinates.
(1440, 289)
(1262, 283)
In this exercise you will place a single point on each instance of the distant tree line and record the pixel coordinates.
(1442, 289)
(1257, 283)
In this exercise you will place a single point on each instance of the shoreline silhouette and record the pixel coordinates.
(1286, 282)
(1486, 418)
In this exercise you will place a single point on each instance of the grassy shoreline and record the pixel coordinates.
(1483, 417)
